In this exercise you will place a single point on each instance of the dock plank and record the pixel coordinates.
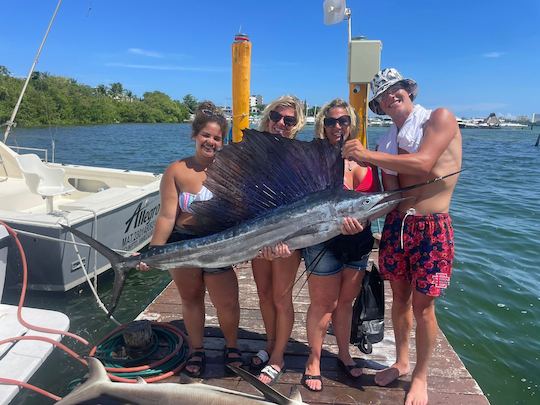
(449, 380)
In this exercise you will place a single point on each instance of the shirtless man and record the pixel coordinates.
(417, 246)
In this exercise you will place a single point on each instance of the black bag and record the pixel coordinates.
(367, 325)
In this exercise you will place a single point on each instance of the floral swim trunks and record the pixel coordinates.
(419, 249)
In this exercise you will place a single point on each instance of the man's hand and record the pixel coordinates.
(354, 150)
(278, 251)
(351, 226)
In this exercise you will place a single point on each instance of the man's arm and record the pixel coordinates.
(438, 133)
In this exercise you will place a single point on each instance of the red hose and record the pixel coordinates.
(70, 352)
(23, 296)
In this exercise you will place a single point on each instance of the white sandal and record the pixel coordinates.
(272, 373)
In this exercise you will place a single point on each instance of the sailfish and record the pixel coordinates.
(266, 189)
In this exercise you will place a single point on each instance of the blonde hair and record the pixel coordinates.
(336, 103)
(280, 103)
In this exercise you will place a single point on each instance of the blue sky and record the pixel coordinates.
(474, 57)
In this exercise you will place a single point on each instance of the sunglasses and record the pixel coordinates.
(390, 90)
(287, 119)
(344, 121)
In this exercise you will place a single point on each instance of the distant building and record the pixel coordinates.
(226, 109)
(255, 101)
(535, 118)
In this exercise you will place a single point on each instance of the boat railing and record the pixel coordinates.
(25, 148)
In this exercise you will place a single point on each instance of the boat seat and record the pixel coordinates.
(42, 179)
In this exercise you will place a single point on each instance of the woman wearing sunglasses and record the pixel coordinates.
(181, 185)
(284, 117)
(337, 266)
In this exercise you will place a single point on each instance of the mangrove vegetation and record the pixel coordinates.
(55, 100)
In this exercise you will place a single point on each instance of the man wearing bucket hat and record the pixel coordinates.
(417, 246)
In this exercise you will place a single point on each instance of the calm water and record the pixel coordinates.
(489, 314)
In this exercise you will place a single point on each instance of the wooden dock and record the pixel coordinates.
(449, 380)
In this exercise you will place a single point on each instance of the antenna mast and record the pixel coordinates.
(11, 123)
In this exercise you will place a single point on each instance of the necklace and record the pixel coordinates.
(349, 168)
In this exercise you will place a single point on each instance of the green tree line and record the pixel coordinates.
(55, 100)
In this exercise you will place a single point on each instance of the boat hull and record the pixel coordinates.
(55, 266)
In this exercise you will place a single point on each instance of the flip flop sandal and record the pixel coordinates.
(272, 373)
(263, 356)
(306, 377)
(347, 369)
(201, 363)
(227, 359)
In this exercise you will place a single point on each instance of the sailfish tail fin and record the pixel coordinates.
(117, 263)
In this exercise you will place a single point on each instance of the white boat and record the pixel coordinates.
(118, 207)
(513, 125)
(379, 122)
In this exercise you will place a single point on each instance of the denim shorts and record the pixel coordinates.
(178, 236)
(322, 261)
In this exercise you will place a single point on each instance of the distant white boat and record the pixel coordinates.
(513, 125)
(491, 122)
(379, 122)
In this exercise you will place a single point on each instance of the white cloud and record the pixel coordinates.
(493, 55)
(170, 67)
(143, 52)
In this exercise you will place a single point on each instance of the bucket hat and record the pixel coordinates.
(383, 80)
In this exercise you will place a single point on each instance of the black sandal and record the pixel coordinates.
(306, 377)
(227, 351)
(201, 363)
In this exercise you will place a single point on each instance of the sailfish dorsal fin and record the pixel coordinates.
(263, 172)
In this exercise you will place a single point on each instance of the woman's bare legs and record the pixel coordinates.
(262, 273)
(223, 291)
(278, 285)
(323, 295)
(190, 285)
